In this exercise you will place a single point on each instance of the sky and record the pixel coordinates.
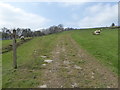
(38, 15)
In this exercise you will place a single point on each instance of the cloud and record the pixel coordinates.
(97, 15)
(59, 1)
(12, 17)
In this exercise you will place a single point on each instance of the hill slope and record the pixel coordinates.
(74, 64)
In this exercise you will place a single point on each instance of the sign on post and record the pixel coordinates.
(14, 50)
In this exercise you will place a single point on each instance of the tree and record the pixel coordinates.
(18, 31)
(60, 26)
(26, 32)
(55, 29)
(37, 33)
(113, 25)
(6, 33)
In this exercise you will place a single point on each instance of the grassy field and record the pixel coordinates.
(5, 43)
(103, 47)
(28, 60)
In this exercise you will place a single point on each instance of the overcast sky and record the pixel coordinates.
(36, 15)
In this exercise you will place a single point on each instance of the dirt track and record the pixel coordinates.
(73, 67)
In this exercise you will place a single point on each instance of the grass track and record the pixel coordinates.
(104, 47)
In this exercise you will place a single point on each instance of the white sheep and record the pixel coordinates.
(97, 32)
(22, 38)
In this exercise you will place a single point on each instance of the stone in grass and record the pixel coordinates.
(48, 61)
(57, 52)
(66, 62)
(93, 73)
(35, 51)
(43, 56)
(74, 85)
(108, 86)
(92, 77)
(105, 78)
(61, 86)
(43, 86)
(77, 67)
(43, 64)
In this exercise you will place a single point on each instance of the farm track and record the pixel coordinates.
(73, 67)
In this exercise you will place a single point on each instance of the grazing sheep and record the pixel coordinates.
(97, 32)
(22, 38)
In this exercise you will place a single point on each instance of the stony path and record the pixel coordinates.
(73, 67)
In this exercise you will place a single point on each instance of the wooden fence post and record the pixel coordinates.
(14, 50)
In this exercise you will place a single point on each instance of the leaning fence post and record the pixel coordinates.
(14, 50)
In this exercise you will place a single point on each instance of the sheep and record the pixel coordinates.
(22, 38)
(97, 32)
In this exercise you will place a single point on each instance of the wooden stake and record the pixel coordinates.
(14, 50)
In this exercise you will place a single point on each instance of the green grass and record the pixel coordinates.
(29, 62)
(104, 47)
(6, 43)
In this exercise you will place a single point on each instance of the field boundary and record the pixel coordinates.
(9, 47)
